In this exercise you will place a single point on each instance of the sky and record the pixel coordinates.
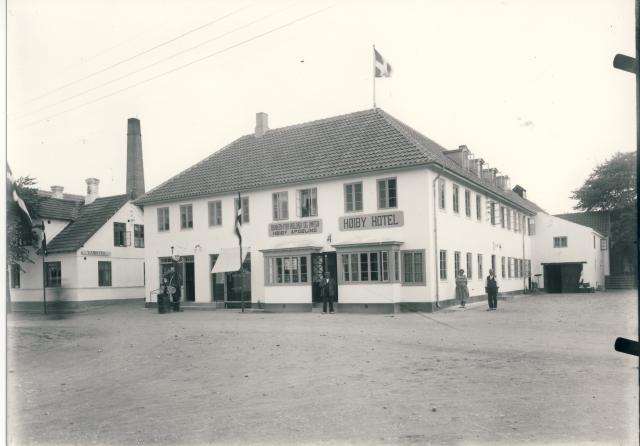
(527, 85)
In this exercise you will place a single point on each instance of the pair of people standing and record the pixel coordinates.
(491, 287)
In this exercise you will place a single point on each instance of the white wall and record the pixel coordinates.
(580, 248)
(80, 272)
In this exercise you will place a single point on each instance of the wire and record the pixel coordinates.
(181, 66)
(131, 73)
(166, 42)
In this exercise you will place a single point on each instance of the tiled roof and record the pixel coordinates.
(90, 218)
(360, 142)
(73, 197)
(58, 209)
(600, 221)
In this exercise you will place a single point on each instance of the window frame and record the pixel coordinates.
(353, 201)
(186, 211)
(279, 207)
(467, 203)
(53, 282)
(387, 203)
(313, 197)
(561, 241)
(442, 194)
(246, 210)
(214, 213)
(478, 207)
(442, 257)
(480, 266)
(138, 236)
(455, 197)
(354, 272)
(604, 244)
(163, 217)
(503, 268)
(469, 271)
(272, 269)
(101, 271)
(413, 271)
(120, 236)
(457, 257)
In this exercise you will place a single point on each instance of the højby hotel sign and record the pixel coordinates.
(295, 228)
(371, 221)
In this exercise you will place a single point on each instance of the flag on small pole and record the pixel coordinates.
(381, 68)
(238, 226)
(13, 192)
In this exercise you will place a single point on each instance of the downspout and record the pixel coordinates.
(524, 277)
(435, 237)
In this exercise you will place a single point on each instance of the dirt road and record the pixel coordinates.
(539, 370)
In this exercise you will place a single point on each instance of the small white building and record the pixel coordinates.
(386, 210)
(95, 245)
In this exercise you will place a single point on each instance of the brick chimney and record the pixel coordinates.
(262, 124)
(135, 170)
(92, 190)
(459, 155)
(56, 192)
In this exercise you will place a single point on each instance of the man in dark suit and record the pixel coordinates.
(491, 287)
(329, 292)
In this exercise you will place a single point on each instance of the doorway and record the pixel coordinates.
(321, 263)
(189, 280)
(234, 287)
(562, 277)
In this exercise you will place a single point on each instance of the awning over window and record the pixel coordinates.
(229, 260)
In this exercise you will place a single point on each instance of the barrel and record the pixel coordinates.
(164, 305)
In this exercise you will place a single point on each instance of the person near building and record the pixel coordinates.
(329, 292)
(173, 284)
(491, 287)
(462, 292)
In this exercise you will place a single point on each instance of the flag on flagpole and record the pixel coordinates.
(13, 193)
(238, 224)
(382, 67)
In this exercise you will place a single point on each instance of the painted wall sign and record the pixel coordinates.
(295, 228)
(96, 253)
(382, 220)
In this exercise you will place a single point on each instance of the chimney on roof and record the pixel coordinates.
(475, 166)
(92, 190)
(520, 191)
(135, 171)
(262, 124)
(489, 174)
(503, 182)
(56, 192)
(459, 155)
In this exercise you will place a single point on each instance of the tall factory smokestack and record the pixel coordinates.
(135, 171)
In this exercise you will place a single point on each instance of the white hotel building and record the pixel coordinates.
(386, 210)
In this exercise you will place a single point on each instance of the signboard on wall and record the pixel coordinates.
(394, 219)
(96, 253)
(295, 228)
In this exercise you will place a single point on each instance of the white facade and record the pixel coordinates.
(583, 246)
(415, 208)
(79, 269)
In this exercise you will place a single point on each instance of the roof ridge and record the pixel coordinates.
(319, 121)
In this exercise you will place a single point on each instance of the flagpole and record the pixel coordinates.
(240, 245)
(374, 76)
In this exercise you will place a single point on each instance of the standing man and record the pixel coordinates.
(491, 287)
(329, 292)
(462, 292)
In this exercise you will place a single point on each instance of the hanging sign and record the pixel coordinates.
(295, 228)
(382, 220)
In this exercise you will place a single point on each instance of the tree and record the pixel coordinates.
(19, 235)
(612, 187)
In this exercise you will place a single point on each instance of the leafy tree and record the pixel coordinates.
(19, 236)
(612, 187)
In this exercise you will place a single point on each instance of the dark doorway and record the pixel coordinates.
(321, 262)
(239, 286)
(562, 277)
(217, 282)
(189, 280)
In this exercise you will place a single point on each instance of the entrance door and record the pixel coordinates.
(321, 263)
(562, 278)
(189, 282)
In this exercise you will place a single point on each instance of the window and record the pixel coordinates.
(288, 269)
(215, 213)
(138, 236)
(119, 234)
(353, 197)
(104, 273)
(442, 199)
(517, 222)
(508, 219)
(467, 203)
(560, 242)
(478, 207)
(396, 264)
(503, 269)
(245, 209)
(387, 193)
(532, 226)
(186, 216)
(480, 273)
(456, 204)
(502, 219)
(443, 264)
(163, 219)
(509, 267)
(307, 205)
(15, 275)
(528, 268)
(594, 242)
(365, 267)
(520, 267)
(413, 267)
(280, 205)
(469, 266)
(492, 208)
(456, 263)
(603, 244)
(53, 272)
